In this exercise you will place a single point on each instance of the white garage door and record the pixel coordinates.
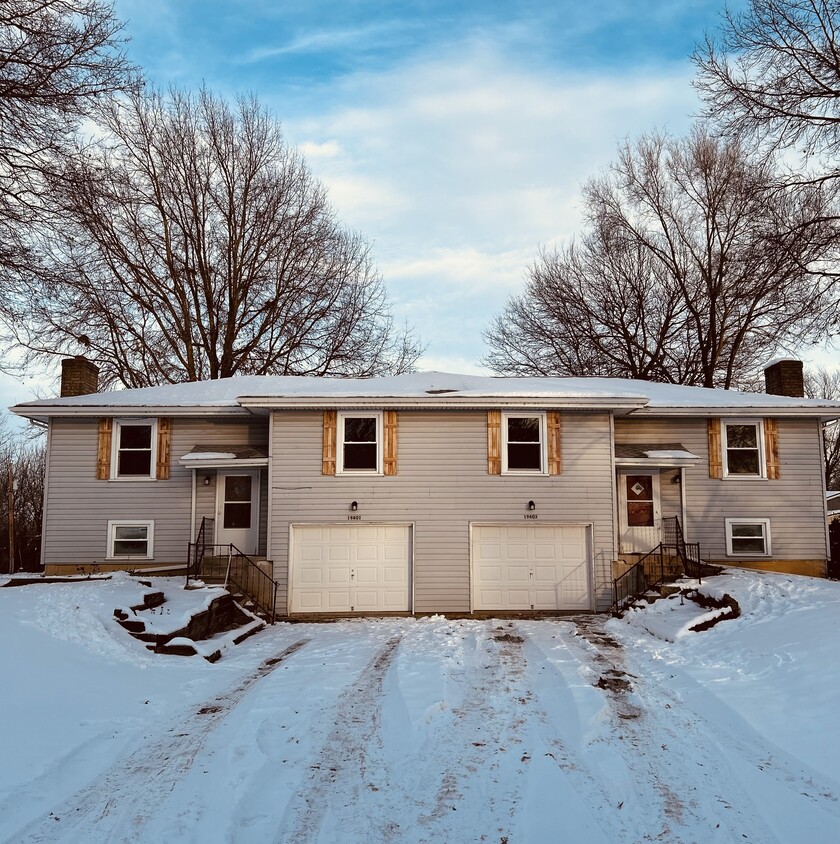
(350, 568)
(530, 567)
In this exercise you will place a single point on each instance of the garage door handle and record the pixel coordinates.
(352, 574)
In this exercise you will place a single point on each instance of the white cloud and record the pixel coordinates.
(459, 167)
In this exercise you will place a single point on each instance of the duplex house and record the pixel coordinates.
(432, 492)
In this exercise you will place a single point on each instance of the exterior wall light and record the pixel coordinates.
(531, 505)
(354, 505)
(207, 480)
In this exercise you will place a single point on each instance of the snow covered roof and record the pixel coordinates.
(653, 454)
(257, 393)
(207, 456)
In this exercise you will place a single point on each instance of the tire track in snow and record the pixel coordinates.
(341, 770)
(488, 733)
(121, 800)
(660, 740)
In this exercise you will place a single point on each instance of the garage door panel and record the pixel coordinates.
(542, 567)
(355, 568)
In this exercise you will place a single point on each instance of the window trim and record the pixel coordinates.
(115, 449)
(340, 442)
(762, 457)
(765, 524)
(113, 524)
(524, 414)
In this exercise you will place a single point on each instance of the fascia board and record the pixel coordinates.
(44, 412)
(435, 403)
(824, 413)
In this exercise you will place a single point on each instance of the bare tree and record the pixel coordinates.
(773, 74)
(58, 58)
(23, 462)
(821, 383)
(694, 268)
(193, 243)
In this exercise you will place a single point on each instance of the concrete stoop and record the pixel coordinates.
(222, 615)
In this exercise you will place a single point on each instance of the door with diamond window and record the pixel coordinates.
(237, 509)
(640, 516)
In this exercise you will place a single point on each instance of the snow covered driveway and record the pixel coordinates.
(583, 730)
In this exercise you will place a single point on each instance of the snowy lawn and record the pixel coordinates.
(404, 730)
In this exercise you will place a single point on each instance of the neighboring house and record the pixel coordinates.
(431, 492)
(832, 505)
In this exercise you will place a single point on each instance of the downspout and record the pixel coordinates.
(614, 502)
(192, 507)
(820, 437)
(683, 508)
(269, 493)
(46, 496)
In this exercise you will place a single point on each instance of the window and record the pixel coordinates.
(743, 450)
(134, 449)
(523, 443)
(131, 540)
(748, 537)
(360, 443)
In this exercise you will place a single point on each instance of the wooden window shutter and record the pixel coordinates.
(771, 449)
(390, 443)
(494, 442)
(164, 436)
(103, 452)
(555, 442)
(328, 451)
(715, 451)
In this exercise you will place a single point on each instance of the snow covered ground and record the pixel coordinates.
(411, 730)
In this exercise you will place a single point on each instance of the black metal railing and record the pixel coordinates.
(672, 558)
(688, 552)
(238, 572)
(197, 549)
(629, 585)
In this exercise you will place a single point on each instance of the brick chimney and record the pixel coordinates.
(784, 378)
(78, 377)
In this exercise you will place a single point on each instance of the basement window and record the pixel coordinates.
(748, 537)
(131, 540)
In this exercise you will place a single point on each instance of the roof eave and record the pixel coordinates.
(42, 413)
(620, 405)
(822, 413)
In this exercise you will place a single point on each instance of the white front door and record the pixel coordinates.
(640, 512)
(238, 509)
(530, 567)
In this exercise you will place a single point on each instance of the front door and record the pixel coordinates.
(237, 509)
(640, 516)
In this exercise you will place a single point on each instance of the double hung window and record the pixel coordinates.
(134, 449)
(743, 451)
(360, 443)
(523, 443)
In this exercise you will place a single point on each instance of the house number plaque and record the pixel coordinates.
(530, 516)
(354, 518)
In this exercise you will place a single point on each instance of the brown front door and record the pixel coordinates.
(640, 517)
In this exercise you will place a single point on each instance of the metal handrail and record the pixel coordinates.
(238, 571)
(635, 582)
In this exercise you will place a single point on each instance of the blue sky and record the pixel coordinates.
(453, 135)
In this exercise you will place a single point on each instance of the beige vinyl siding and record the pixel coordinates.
(794, 503)
(441, 486)
(78, 506)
